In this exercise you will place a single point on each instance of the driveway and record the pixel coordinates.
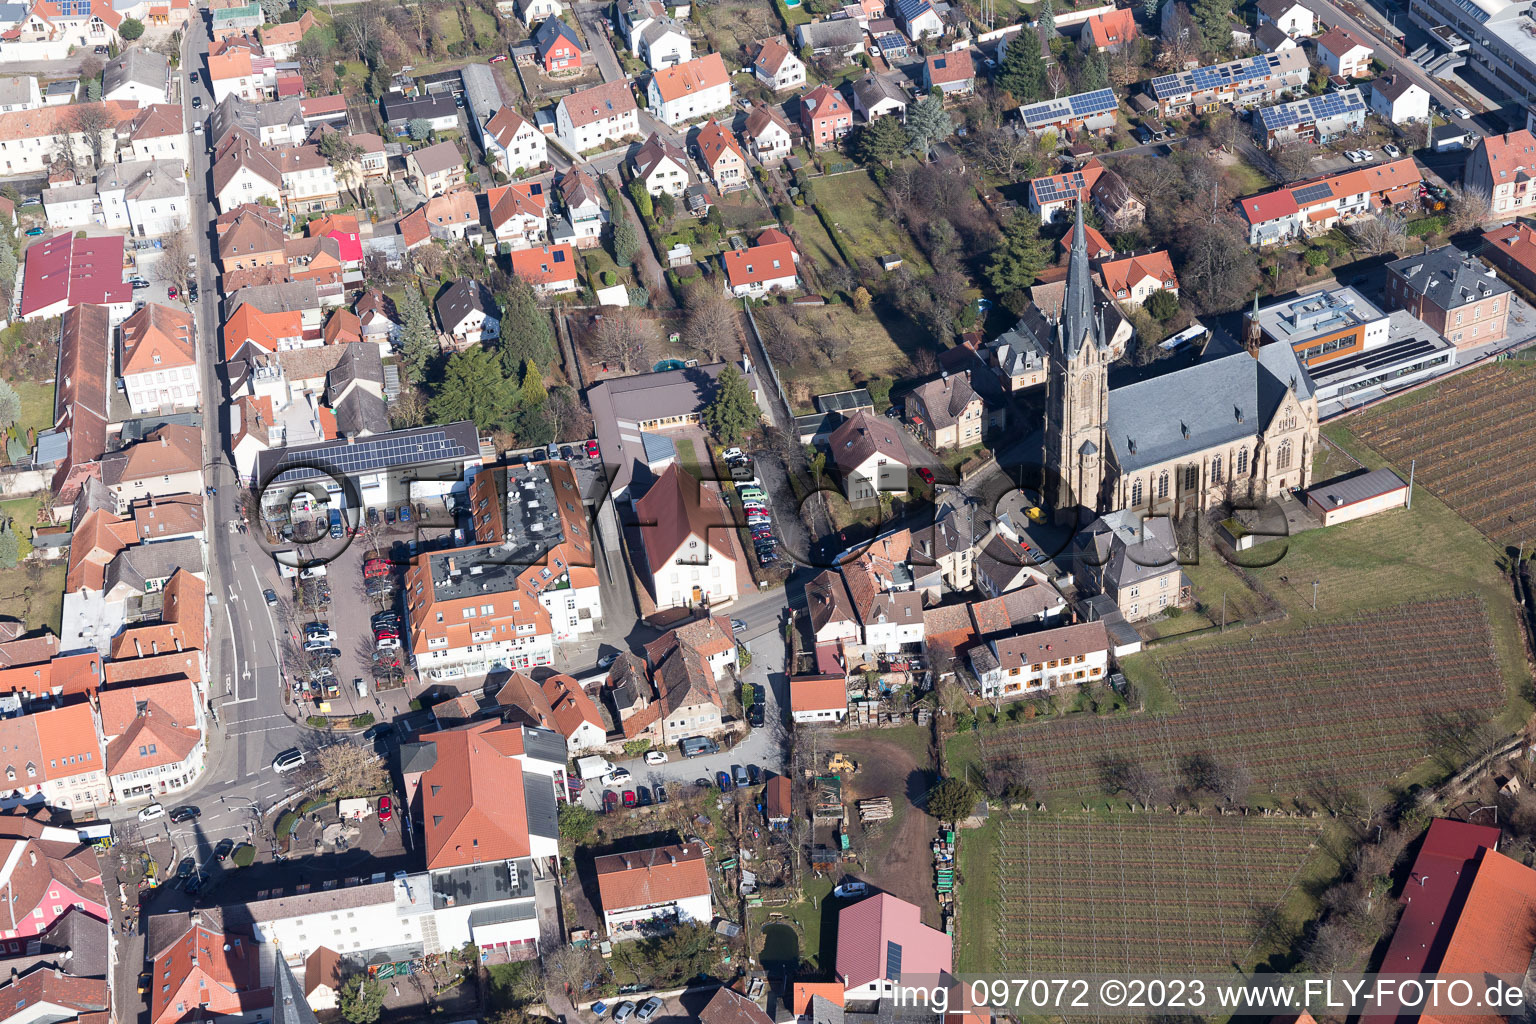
(593, 19)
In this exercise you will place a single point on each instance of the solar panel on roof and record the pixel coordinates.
(1312, 193)
(1088, 103)
(369, 454)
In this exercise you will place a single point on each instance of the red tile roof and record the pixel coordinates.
(343, 228)
(570, 706)
(206, 973)
(818, 693)
(706, 72)
(1495, 932)
(800, 995)
(1120, 276)
(546, 265)
(472, 797)
(1112, 29)
(943, 68)
(644, 878)
(674, 508)
(74, 271)
(760, 264)
(156, 338)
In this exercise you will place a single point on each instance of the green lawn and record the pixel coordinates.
(857, 211)
(35, 604)
(23, 515)
(688, 456)
(805, 914)
(449, 28)
(872, 351)
(483, 22)
(1249, 177)
(36, 405)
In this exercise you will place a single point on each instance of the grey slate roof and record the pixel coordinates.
(1129, 547)
(417, 757)
(1359, 487)
(288, 297)
(139, 65)
(1022, 347)
(1001, 561)
(462, 297)
(1448, 277)
(289, 1004)
(1269, 37)
(360, 363)
(539, 802)
(480, 92)
(400, 109)
(144, 179)
(544, 744)
(141, 563)
(361, 413)
(1215, 402)
(843, 33)
(872, 89)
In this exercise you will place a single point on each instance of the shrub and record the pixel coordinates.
(609, 279)
(318, 722)
(244, 855)
(285, 823)
(363, 720)
(415, 703)
(635, 748)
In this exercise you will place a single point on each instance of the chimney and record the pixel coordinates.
(164, 441)
(137, 649)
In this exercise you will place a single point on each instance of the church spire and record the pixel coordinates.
(1077, 303)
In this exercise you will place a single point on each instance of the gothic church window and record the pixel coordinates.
(1216, 469)
(1162, 484)
(1283, 456)
(1242, 462)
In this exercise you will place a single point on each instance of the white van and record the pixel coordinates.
(362, 687)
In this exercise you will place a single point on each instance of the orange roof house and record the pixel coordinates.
(1112, 29)
(343, 328)
(1131, 279)
(761, 268)
(203, 972)
(572, 713)
(667, 882)
(156, 338)
(1495, 933)
(475, 798)
(801, 992)
(549, 268)
(264, 332)
(818, 698)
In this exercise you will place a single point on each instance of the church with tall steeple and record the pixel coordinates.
(1237, 425)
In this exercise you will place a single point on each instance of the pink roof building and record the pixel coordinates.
(882, 940)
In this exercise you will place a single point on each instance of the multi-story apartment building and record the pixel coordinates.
(526, 582)
(157, 360)
(1456, 294)
(1036, 663)
(1501, 167)
(1246, 82)
(592, 117)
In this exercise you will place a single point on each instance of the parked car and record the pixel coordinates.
(224, 849)
(642, 796)
(197, 101)
(723, 780)
(568, 453)
(1463, 113)
(592, 451)
(739, 775)
(655, 757)
(754, 773)
(599, 1008)
(270, 595)
(731, 454)
(497, 60)
(386, 808)
(661, 793)
(184, 814)
(755, 716)
(138, 283)
(289, 760)
(1391, 151)
(35, 232)
(850, 888)
(925, 474)
(648, 1009)
(153, 812)
(625, 1011)
(617, 777)
(389, 516)
(405, 513)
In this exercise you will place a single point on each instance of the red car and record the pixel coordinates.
(386, 808)
(591, 449)
(375, 567)
(629, 798)
(497, 59)
(925, 474)
(171, 292)
(386, 634)
(610, 800)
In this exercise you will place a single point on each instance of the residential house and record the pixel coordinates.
(512, 142)
(342, 228)
(642, 889)
(919, 19)
(1315, 206)
(953, 74)
(688, 551)
(875, 96)
(824, 116)
(238, 68)
(662, 166)
(137, 76)
(1245, 82)
(157, 360)
(378, 319)
(80, 398)
(870, 458)
(52, 757)
(777, 66)
(1288, 15)
(685, 92)
(1135, 278)
(308, 179)
(1344, 53)
(156, 133)
(1116, 204)
(280, 40)
(814, 699)
(558, 704)
(550, 269)
(761, 269)
(1512, 248)
(557, 48)
(946, 413)
(30, 140)
(147, 197)
(50, 29)
(19, 92)
(868, 935)
(244, 172)
(436, 169)
(688, 701)
(468, 313)
(247, 237)
(635, 16)
(665, 43)
(1269, 38)
(519, 214)
(842, 38)
(438, 109)
(722, 157)
(1399, 100)
(533, 12)
(51, 875)
(590, 118)
(1502, 167)
(1041, 662)
(768, 135)
(451, 217)
(202, 969)
(834, 621)
(151, 717)
(1110, 30)
(167, 461)
(583, 205)
(709, 638)
(729, 1006)
(1319, 119)
(1017, 356)
(1131, 559)
(1458, 295)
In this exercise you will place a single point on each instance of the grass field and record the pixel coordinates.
(448, 26)
(35, 604)
(872, 352)
(814, 238)
(22, 512)
(857, 210)
(36, 405)
(1123, 892)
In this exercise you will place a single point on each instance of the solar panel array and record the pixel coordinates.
(1312, 108)
(1070, 185)
(1084, 104)
(370, 454)
(1216, 76)
(1311, 193)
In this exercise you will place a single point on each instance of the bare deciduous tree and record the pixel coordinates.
(1468, 208)
(173, 266)
(713, 321)
(352, 769)
(1380, 233)
(1292, 159)
(626, 338)
(96, 124)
